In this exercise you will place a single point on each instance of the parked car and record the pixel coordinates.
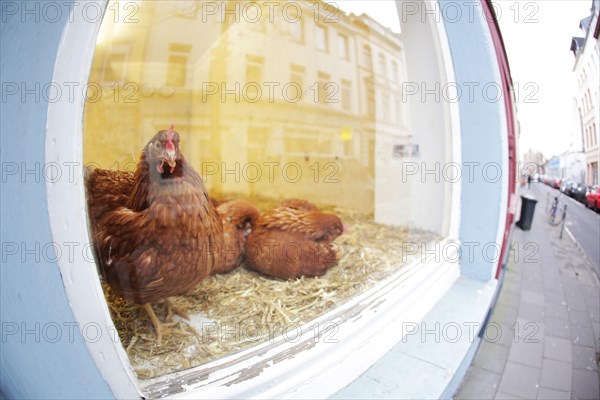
(577, 191)
(555, 183)
(565, 186)
(592, 198)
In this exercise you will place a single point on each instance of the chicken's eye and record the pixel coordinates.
(322, 238)
(158, 145)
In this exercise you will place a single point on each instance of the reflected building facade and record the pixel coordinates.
(294, 99)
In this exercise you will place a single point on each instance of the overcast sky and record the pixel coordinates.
(537, 36)
(538, 52)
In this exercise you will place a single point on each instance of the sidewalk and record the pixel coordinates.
(543, 338)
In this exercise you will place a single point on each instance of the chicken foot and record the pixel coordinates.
(155, 322)
(159, 327)
(172, 308)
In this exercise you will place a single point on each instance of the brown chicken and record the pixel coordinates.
(161, 238)
(107, 190)
(238, 218)
(295, 239)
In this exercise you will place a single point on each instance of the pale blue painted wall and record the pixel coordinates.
(475, 63)
(32, 292)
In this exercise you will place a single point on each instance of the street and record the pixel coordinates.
(582, 222)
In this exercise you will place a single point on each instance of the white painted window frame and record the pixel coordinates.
(369, 325)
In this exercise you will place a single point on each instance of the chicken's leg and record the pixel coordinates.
(155, 322)
(171, 308)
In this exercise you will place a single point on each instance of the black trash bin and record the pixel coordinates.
(528, 203)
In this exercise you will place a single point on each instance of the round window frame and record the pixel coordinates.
(376, 308)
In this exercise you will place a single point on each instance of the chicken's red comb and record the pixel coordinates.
(170, 137)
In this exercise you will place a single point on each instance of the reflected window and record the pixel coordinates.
(395, 71)
(367, 57)
(385, 105)
(296, 26)
(187, 8)
(254, 76)
(397, 109)
(346, 95)
(116, 62)
(325, 88)
(297, 75)
(254, 68)
(382, 65)
(343, 50)
(370, 96)
(321, 33)
(177, 65)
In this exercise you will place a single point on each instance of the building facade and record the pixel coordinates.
(587, 71)
(321, 104)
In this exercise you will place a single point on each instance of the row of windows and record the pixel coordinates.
(592, 65)
(179, 54)
(176, 76)
(591, 138)
(587, 102)
(328, 92)
(296, 30)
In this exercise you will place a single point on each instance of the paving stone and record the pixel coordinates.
(529, 297)
(581, 335)
(557, 349)
(552, 276)
(530, 354)
(479, 384)
(555, 296)
(593, 308)
(498, 333)
(556, 375)
(576, 302)
(504, 313)
(530, 312)
(508, 298)
(586, 385)
(491, 357)
(551, 394)
(528, 331)
(591, 290)
(532, 276)
(596, 331)
(584, 357)
(533, 285)
(580, 318)
(556, 311)
(520, 380)
(557, 327)
(504, 396)
(554, 287)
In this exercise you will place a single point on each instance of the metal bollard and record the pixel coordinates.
(564, 218)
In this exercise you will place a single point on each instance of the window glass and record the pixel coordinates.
(263, 112)
(343, 46)
(321, 33)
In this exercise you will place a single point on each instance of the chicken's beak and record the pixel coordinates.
(170, 158)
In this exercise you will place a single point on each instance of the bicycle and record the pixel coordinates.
(556, 214)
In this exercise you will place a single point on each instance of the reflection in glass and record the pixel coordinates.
(271, 102)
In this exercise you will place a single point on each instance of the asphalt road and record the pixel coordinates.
(582, 222)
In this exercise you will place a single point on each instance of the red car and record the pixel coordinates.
(556, 183)
(592, 198)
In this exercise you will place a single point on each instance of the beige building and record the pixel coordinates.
(306, 115)
(587, 70)
(533, 162)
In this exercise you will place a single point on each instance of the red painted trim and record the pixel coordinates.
(507, 88)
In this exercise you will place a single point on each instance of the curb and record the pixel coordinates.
(582, 252)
